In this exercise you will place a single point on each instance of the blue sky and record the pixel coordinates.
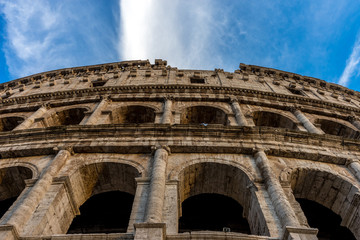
(318, 38)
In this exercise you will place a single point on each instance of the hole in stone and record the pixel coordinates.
(203, 115)
(212, 212)
(337, 129)
(107, 212)
(11, 185)
(269, 119)
(9, 123)
(133, 114)
(71, 116)
(325, 220)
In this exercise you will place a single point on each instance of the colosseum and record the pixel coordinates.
(134, 150)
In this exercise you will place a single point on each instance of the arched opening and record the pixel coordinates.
(269, 119)
(212, 212)
(71, 116)
(222, 190)
(133, 114)
(326, 221)
(337, 129)
(326, 200)
(11, 185)
(105, 199)
(107, 212)
(9, 123)
(203, 115)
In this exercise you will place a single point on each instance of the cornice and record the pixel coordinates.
(238, 92)
(181, 139)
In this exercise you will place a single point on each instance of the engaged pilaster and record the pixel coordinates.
(93, 118)
(167, 111)
(239, 116)
(354, 166)
(30, 199)
(157, 185)
(277, 195)
(306, 122)
(30, 120)
(354, 121)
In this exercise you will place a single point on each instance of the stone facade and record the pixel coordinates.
(172, 142)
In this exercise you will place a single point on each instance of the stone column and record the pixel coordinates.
(239, 116)
(354, 166)
(306, 122)
(30, 120)
(167, 112)
(93, 118)
(277, 195)
(139, 205)
(354, 121)
(157, 186)
(27, 202)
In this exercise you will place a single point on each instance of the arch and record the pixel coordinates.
(133, 114)
(271, 119)
(225, 212)
(326, 221)
(100, 178)
(329, 190)
(9, 123)
(223, 180)
(107, 212)
(33, 168)
(203, 114)
(70, 116)
(337, 129)
(12, 183)
(91, 159)
(176, 172)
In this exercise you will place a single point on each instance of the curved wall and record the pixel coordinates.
(257, 139)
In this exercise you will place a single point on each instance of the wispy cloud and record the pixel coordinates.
(182, 32)
(352, 64)
(44, 35)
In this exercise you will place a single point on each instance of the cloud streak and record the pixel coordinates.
(182, 32)
(44, 35)
(352, 64)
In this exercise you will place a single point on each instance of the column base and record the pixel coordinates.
(8, 232)
(150, 231)
(295, 233)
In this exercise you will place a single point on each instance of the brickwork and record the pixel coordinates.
(261, 137)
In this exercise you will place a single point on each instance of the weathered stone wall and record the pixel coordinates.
(259, 136)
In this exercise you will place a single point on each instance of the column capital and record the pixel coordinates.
(168, 97)
(46, 106)
(106, 98)
(233, 99)
(156, 147)
(68, 148)
(258, 150)
(350, 161)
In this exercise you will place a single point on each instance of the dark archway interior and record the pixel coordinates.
(107, 212)
(325, 220)
(9, 123)
(6, 204)
(11, 185)
(268, 119)
(212, 212)
(337, 129)
(203, 114)
(133, 114)
(71, 116)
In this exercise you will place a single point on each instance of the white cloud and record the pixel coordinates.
(352, 64)
(44, 35)
(182, 32)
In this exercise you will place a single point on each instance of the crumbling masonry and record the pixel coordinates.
(134, 150)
